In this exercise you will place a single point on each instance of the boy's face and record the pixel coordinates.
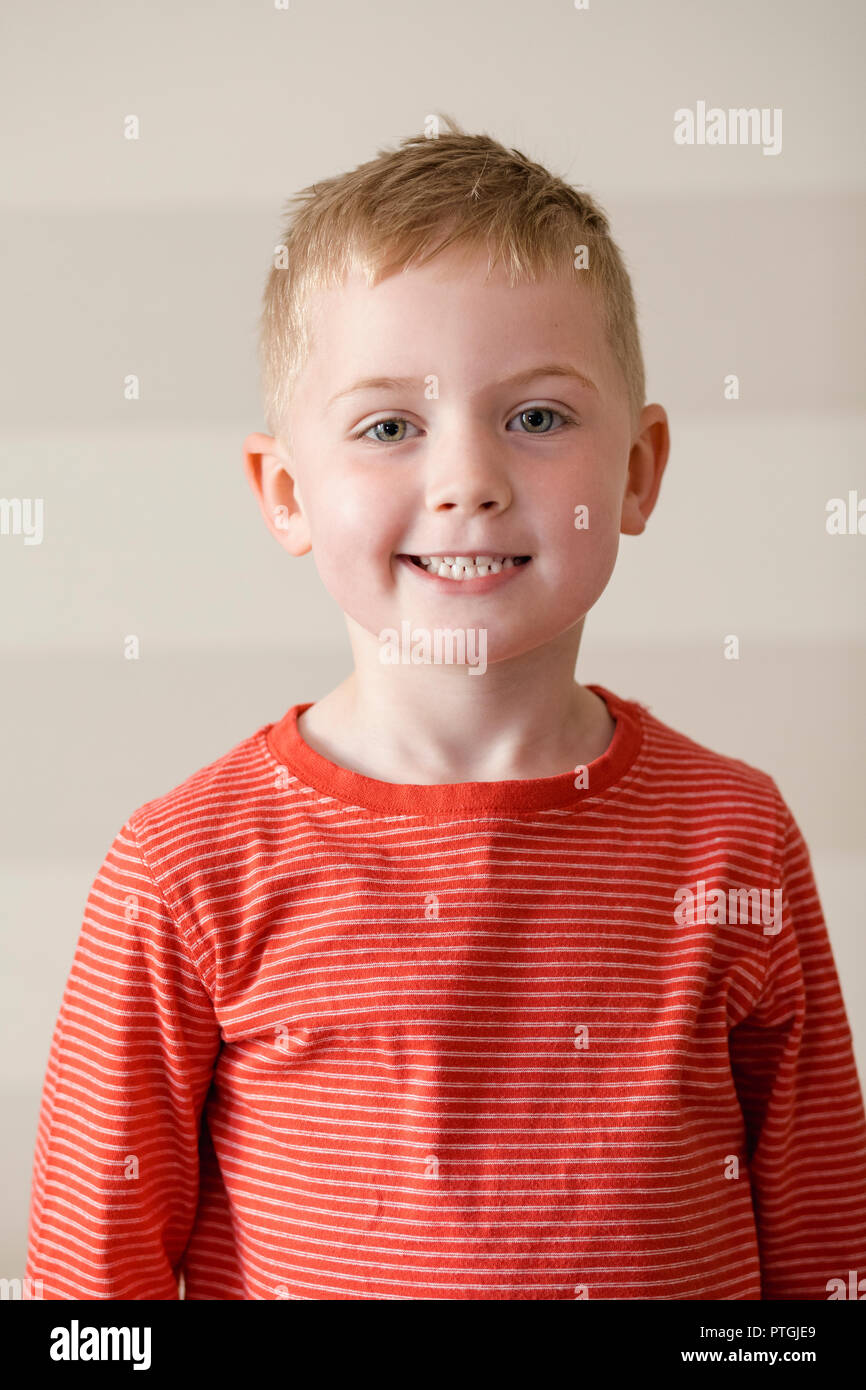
(483, 451)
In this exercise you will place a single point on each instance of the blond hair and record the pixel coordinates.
(407, 205)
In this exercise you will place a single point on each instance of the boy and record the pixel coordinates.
(466, 981)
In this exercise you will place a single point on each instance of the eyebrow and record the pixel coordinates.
(402, 383)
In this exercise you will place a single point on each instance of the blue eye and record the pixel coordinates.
(388, 438)
(531, 414)
(395, 426)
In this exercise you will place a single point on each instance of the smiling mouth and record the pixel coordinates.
(466, 566)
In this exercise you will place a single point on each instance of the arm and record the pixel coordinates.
(115, 1173)
(794, 1068)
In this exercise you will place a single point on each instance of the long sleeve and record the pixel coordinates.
(116, 1164)
(796, 1077)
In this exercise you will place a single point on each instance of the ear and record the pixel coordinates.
(268, 465)
(646, 465)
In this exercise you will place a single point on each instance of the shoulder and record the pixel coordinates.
(207, 842)
(699, 782)
(678, 752)
(215, 805)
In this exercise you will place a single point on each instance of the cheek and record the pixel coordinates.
(582, 515)
(355, 529)
(357, 512)
(582, 519)
(594, 543)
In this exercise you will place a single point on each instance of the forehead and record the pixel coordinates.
(449, 314)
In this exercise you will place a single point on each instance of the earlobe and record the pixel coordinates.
(632, 521)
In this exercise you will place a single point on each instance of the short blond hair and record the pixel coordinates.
(407, 205)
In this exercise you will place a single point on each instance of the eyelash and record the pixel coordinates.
(386, 419)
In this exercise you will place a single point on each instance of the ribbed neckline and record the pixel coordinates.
(480, 798)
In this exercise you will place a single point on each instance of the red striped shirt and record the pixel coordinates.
(328, 1037)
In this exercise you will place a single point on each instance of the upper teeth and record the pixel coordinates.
(465, 566)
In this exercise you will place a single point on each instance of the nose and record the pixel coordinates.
(466, 473)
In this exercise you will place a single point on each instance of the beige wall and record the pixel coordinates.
(149, 257)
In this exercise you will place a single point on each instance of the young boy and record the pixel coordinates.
(466, 981)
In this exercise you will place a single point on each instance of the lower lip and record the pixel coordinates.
(480, 585)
